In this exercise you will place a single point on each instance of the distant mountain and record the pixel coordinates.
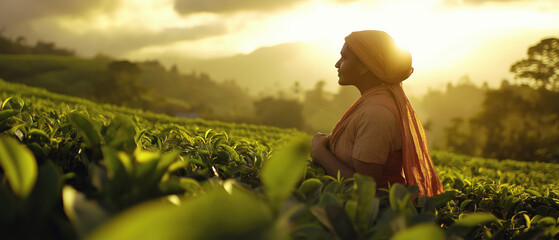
(268, 69)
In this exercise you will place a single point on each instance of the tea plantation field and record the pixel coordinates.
(74, 169)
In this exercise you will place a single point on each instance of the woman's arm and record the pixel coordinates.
(322, 155)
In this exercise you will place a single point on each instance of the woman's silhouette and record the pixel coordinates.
(380, 134)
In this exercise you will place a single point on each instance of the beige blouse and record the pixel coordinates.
(372, 134)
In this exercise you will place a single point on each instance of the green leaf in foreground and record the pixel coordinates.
(284, 169)
(19, 166)
(364, 187)
(217, 215)
(421, 231)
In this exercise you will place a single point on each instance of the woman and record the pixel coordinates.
(380, 135)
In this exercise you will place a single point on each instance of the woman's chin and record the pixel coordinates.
(342, 83)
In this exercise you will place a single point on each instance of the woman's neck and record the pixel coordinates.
(368, 83)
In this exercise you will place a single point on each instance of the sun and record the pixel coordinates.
(327, 24)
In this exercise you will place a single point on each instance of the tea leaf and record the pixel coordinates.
(5, 114)
(86, 129)
(284, 169)
(421, 231)
(19, 166)
(241, 216)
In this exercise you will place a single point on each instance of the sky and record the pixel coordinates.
(448, 39)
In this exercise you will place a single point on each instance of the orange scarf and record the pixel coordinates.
(417, 165)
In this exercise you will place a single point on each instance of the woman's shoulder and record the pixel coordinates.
(377, 111)
(380, 103)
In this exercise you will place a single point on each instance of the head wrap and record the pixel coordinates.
(380, 54)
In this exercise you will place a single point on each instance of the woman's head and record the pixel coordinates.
(350, 69)
(378, 52)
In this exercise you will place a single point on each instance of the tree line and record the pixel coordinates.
(20, 46)
(518, 120)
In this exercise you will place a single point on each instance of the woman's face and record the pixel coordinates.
(350, 68)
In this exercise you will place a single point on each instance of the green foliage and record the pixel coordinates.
(519, 122)
(536, 176)
(111, 172)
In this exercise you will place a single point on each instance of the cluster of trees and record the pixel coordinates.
(451, 105)
(312, 110)
(518, 120)
(20, 46)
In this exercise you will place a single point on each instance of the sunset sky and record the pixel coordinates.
(447, 38)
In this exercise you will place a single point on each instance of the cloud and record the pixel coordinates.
(15, 12)
(53, 21)
(222, 6)
(132, 40)
(119, 42)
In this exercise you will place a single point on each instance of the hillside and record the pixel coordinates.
(269, 68)
(72, 168)
(153, 87)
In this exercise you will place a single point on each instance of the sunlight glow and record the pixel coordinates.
(438, 34)
(435, 37)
